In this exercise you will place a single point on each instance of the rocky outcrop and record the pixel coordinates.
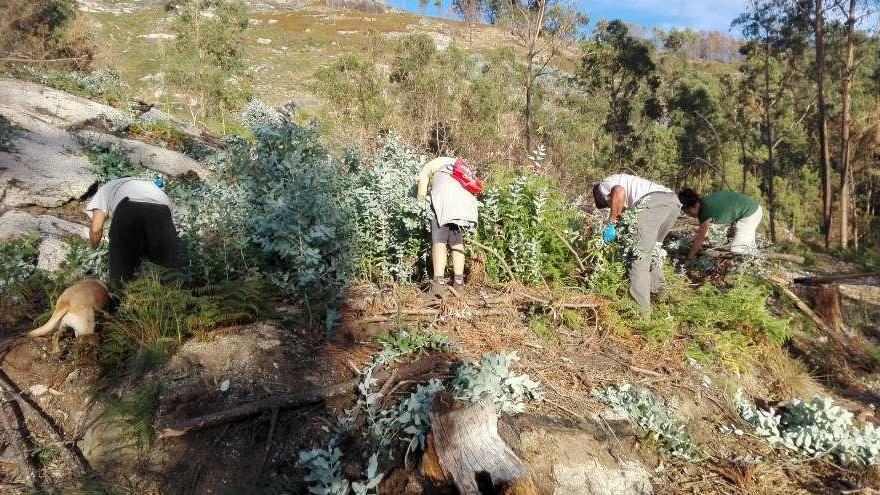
(43, 166)
(54, 233)
(583, 459)
(51, 106)
(148, 156)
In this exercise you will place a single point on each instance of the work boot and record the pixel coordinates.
(458, 286)
(436, 291)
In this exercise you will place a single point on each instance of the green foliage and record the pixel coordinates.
(18, 262)
(103, 84)
(43, 29)
(493, 379)
(134, 413)
(655, 416)
(616, 66)
(156, 313)
(356, 89)
(815, 429)
(392, 234)
(523, 219)
(208, 60)
(299, 216)
(541, 327)
(109, 162)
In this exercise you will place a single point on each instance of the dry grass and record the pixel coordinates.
(786, 377)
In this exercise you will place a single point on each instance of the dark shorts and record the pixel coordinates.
(141, 231)
(449, 234)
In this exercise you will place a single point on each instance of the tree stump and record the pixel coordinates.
(825, 299)
(464, 449)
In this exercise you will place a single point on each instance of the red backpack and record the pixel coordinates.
(466, 177)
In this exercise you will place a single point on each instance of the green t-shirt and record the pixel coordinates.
(726, 207)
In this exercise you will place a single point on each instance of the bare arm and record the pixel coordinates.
(699, 239)
(423, 187)
(96, 231)
(617, 198)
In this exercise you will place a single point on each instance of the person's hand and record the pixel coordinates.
(610, 233)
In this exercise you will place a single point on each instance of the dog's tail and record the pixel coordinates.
(53, 322)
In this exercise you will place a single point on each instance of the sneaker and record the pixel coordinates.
(458, 288)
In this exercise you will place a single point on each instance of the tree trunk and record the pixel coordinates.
(825, 160)
(844, 126)
(464, 449)
(530, 81)
(771, 163)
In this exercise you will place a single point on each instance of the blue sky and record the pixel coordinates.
(696, 14)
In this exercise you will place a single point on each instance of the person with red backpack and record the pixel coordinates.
(454, 187)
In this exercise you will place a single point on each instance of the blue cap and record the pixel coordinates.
(160, 182)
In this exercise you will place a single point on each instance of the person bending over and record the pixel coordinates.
(454, 208)
(141, 227)
(658, 208)
(725, 208)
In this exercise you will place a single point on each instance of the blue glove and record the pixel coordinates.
(610, 233)
(159, 182)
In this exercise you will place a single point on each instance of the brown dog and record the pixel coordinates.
(76, 309)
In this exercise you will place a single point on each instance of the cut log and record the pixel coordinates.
(414, 371)
(464, 449)
(828, 306)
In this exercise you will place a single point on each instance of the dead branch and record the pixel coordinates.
(433, 364)
(570, 248)
(16, 437)
(495, 253)
(71, 454)
(834, 278)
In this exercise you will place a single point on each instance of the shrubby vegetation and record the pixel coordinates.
(814, 429)
(44, 29)
(654, 415)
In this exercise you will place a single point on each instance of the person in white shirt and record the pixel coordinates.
(142, 226)
(658, 208)
(454, 209)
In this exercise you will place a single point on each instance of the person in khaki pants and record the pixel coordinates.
(658, 209)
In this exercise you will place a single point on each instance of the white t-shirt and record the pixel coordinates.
(636, 187)
(112, 193)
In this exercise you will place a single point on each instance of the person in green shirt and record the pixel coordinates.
(726, 208)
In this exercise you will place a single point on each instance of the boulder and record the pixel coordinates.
(582, 459)
(15, 223)
(149, 156)
(51, 106)
(52, 253)
(43, 166)
(54, 232)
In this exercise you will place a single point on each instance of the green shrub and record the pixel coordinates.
(134, 413)
(109, 162)
(523, 218)
(654, 415)
(8, 132)
(392, 234)
(18, 262)
(103, 84)
(156, 313)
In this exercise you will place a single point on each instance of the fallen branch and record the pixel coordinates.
(71, 454)
(726, 253)
(291, 401)
(38, 61)
(16, 437)
(495, 253)
(833, 278)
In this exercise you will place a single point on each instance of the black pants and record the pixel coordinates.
(138, 231)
